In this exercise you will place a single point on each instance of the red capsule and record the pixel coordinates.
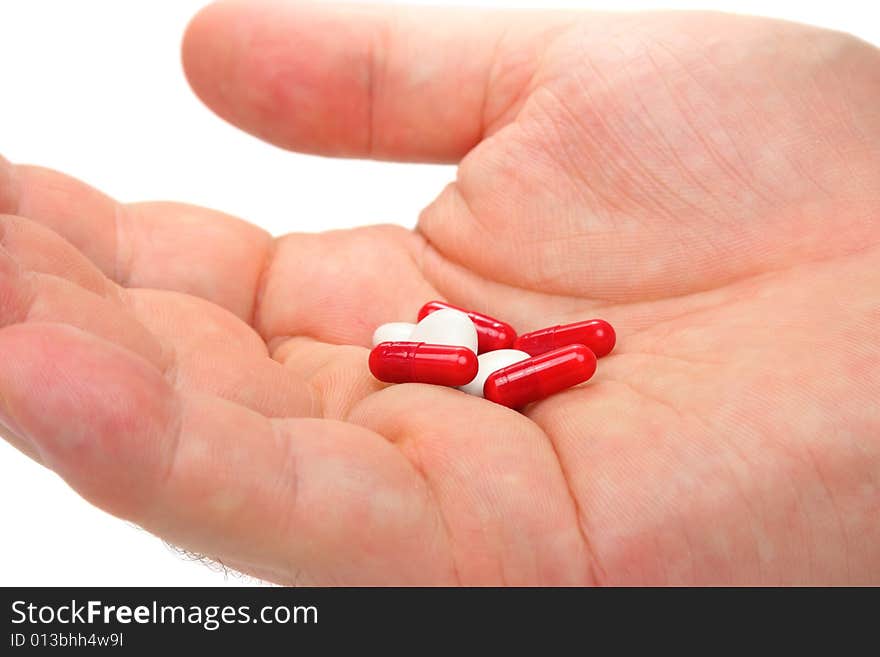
(540, 376)
(597, 334)
(419, 362)
(491, 333)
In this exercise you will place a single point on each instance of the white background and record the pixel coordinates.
(94, 88)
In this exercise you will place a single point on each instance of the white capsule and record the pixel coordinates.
(393, 332)
(491, 362)
(446, 326)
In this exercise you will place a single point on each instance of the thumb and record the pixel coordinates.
(365, 80)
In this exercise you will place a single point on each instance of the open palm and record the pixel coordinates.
(709, 184)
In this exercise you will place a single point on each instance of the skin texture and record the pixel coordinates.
(709, 184)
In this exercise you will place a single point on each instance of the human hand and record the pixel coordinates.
(710, 184)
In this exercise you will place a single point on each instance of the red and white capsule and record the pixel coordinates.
(447, 326)
(540, 376)
(420, 362)
(597, 334)
(492, 334)
(490, 362)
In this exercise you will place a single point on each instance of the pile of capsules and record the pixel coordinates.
(510, 370)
